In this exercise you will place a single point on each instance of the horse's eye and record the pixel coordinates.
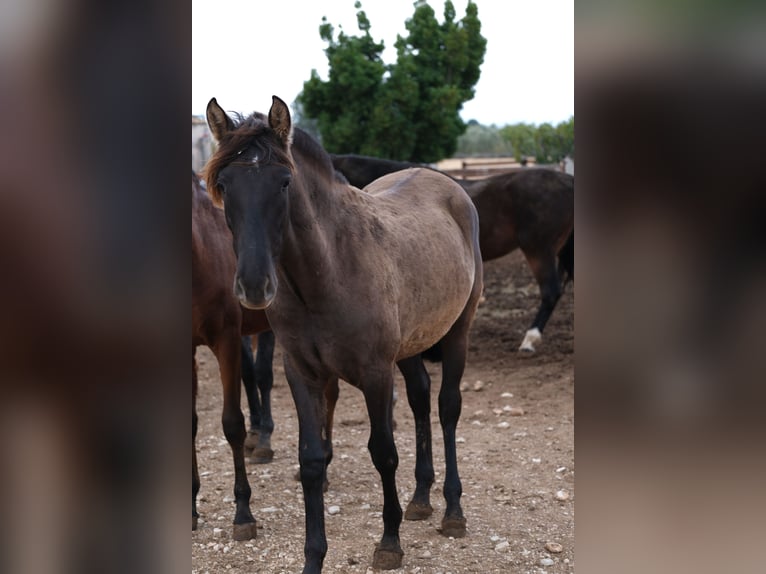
(285, 184)
(221, 188)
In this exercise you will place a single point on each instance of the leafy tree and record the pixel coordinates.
(479, 140)
(565, 131)
(408, 110)
(546, 143)
(521, 136)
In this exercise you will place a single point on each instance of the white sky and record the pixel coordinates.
(245, 51)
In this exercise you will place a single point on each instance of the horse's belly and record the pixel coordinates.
(431, 311)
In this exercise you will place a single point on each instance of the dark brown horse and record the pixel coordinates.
(219, 322)
(532, 210)
(353, 283)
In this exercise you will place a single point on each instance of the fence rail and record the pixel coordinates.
(479, 168)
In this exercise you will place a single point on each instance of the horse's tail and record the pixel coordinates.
(566, 260)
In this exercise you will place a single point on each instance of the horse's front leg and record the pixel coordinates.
(195, 471)
(228, 352)
(309, 398)
(378, 393)
(419, 396)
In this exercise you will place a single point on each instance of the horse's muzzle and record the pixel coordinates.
(258, 298)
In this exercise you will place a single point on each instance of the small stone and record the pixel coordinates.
(516, 411)
(561, 469)
(507, 395)
(478, 386)
(546, 562)
(554, 547)
(333, 509)
(503, 425)
(460, 439)
(427, 554)
(502, 546)
(537, 460)
(464, 386)
(561, 495)
(217, 531)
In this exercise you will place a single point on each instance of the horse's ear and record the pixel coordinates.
(217, 119)
(279, 120)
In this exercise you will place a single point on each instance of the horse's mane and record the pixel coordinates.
(254, 130)
(311, 150)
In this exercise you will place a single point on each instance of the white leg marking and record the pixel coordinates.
(532, 337)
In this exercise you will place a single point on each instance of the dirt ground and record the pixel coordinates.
(517, 470)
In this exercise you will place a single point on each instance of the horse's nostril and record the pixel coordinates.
(239, 288)
(269, 288)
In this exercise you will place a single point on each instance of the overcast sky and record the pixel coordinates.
(243, 51)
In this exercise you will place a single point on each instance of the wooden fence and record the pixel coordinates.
(479, 168)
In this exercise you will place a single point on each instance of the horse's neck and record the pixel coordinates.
(309, 237)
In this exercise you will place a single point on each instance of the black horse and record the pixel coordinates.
(532, 210)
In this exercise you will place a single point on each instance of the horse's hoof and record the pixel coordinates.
(261, 455)
(251, 441)
(453, 526)
(246, 531)
(416, 511)
(532, 337)
(387, 558)
(194, 523)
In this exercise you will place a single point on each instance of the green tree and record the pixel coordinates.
(521, 137)
(479, 140)
(408, 110)
(565, 131)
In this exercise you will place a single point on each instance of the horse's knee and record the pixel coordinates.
(383, 453)
(312, 469)
(233, 423)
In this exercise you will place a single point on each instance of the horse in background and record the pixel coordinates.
(531, 210)
(218, 321)
(353, 283)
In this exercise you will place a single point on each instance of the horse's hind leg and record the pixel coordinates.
(264, 377)
(195, 471)
(378, 393)
(454, 349)
(566, 260)
(419, 396)
(228, 353)
(545, 272)
(251, 392)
